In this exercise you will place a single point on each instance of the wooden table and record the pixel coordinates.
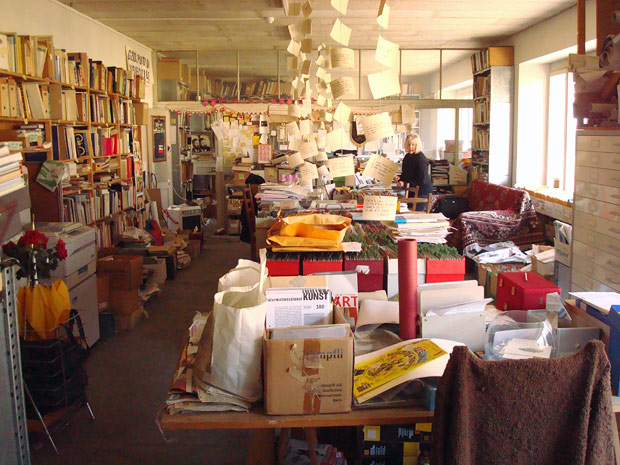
(262, 448)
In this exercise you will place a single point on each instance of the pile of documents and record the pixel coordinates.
(187, 393)
(271, 193)
(424, 227)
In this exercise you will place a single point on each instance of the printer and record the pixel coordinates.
(183, 217)
(78, 271)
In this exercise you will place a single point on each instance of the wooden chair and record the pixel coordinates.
(248, 202)
(412, 199)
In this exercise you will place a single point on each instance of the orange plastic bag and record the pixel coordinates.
(45, 308)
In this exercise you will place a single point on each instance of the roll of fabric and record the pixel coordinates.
(408, 288)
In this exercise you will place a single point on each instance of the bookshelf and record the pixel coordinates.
(493, 88)
(71, 109)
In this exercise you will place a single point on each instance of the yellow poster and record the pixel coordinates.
(378, 371)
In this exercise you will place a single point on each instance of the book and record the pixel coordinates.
(4, 52)
(601, 301)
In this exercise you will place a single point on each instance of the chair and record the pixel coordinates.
(411, 198)
(525, 412)
(248, 202)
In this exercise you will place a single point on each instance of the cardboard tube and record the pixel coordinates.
(408, 288)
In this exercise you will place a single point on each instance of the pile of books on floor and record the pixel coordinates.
(326, 454)
(424, 227)
(11, 178)
(183, 259)
(440, 172)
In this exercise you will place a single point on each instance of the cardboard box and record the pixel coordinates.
(487, 275)
(369, 273)
(169, 70)
(125, 270)
(234, 206)
(283, 267)
(523, 291)
(271, 174)
(129, 322)
(239, 177)
(193, 249)
(325, 390)
(124, 301)
(441, 271)
(262, 228)
(158, 266)
(234, 226)
(103, 292)
(320, 266)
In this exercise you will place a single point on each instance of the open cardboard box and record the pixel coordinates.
(309, 376)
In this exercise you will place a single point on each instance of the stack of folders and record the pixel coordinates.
(11, 175)
(424, 227)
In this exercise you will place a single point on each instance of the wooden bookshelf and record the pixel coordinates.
(492, 69)
(120, 172)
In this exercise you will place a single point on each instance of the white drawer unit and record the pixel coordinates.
(599, 160)
(597, 192)
(595, 264)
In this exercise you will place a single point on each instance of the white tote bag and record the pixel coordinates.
(246, 273)
(239, 322)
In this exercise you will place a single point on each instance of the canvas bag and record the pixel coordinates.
(238, 323)
(246, 273)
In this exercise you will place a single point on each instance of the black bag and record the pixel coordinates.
(452, 206)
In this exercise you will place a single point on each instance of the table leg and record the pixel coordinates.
(285, 435)
(261, 450)
(312, 442)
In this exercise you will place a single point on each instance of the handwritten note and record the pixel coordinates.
(306, 106)
(340, 5)
(341, 166)
(308, 172)
(329, 117)
(386, 53)
(324, 172)
(292, 129)
(337, 139)
(343, 112)
(305, 127)
(408, 114)
(384, 84)
(291, 63)
(383, 17)
(306, 45)
(308, 149)
(321, 156)
(381, 168)
(343, 58)
(377, 126)
(295, 159)
(294, 47)
(340, 32)
(321, 100)
(320, 61)
(305, 68)
(379, 207)
(264, 153)
(342, 86)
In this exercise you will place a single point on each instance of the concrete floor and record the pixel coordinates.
(129, 376)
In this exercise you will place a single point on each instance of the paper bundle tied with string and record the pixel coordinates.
(308, 369)
(308, 232)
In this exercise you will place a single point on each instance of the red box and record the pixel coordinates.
(369, 273)
(442, 271)
(320, 266)
(523, 291)
(283, 267)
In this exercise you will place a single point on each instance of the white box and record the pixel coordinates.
(81, 250)
(392, 283)
(84, 299)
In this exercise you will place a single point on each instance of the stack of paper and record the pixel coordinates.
(424, 227)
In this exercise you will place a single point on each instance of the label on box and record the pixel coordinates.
(298, 307)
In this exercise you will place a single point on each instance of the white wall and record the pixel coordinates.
(72, 31)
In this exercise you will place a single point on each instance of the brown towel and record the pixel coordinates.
(524, 412)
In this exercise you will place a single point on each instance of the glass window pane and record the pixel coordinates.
(370, 66)
(555, 133)
(220, 71)
(258, 74)
(456, 77)
(420, 73)
(174, 75)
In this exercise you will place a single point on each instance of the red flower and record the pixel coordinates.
(61, 250)
(32, 238)
(9, 248)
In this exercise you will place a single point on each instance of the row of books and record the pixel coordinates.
(111, 110)
(481, 111)
(71, 142)
(106, 233)
(480, 61)
(78, 208)
(107, 201)
(36, 56)
(128, 195)
(259, 88)
(482, 85)
(480, 140)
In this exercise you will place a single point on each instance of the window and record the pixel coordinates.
(561, 132)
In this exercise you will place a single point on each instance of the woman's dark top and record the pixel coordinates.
(415, 172)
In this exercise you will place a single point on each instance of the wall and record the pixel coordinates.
(72, 31)
(557, 33)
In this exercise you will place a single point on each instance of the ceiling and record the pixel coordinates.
(241, 24)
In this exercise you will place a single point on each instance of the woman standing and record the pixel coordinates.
(415, 169)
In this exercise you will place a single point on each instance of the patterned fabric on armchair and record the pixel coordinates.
(498, 213)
